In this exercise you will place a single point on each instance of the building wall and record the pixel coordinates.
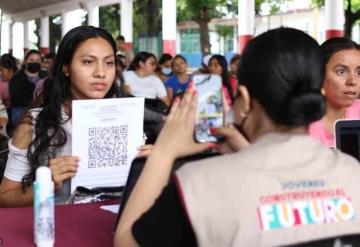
(311, 21)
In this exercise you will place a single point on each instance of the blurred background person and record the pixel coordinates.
(341, 87)
(179, 81)
(46, 68)
(218, 66)
(204, 67)
(120, 66)
(123, 50)
(234, 65)
(163, 69)
(48, 63)
(141, 79)
(22, 85)
(8, 68)
(120, 63)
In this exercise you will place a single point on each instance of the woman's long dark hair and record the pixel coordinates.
(7, 61)
(50, 136)
(225, 73)
(334, 45)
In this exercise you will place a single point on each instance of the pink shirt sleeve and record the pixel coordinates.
(318, 131)
(353, 112)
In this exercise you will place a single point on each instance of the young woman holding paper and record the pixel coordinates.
(84, 69)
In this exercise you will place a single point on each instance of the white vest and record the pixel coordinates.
(283, 189)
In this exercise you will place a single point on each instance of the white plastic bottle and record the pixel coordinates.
(44, 220)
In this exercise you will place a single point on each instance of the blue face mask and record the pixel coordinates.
(166, 71)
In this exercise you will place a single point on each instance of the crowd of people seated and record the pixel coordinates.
(278, 181)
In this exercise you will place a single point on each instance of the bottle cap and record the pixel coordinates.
(43, 174)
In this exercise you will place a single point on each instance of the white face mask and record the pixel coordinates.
(166, 71)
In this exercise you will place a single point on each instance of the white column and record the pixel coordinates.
(169, 26)
(44, 35)
(126, 20)
(26, 36)
(70, 20)
(10, 37)
(246, 21)
(64, 23)
(93, 15)
(334, 18)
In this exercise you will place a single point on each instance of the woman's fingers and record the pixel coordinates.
(186, 105)
(174, 108)
(144, 150)
(64, 159)
(227, 132)
(234, 140)
(63, 168)
(201, 147)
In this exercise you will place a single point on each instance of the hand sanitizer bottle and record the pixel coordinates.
(44, 208)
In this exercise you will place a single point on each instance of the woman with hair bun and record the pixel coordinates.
(341, 87)
(284, 189)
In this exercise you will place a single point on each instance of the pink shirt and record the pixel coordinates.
(4, 92)
(317, 129)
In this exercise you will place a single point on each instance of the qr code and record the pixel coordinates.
(108, 146)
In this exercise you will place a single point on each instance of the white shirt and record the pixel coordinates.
(18, 164)
(149, 87)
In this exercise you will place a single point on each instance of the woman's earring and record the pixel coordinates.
(323, 91)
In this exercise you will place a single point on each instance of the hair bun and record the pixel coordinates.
(302, 109)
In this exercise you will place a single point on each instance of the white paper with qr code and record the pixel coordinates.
(105, 135)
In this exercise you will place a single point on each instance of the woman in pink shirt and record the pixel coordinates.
(218, 66)
(8, 68)
(341, 87)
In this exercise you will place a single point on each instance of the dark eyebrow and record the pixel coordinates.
(341, 65)
(94, 57)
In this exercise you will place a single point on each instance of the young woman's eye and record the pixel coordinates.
(340, 71)
(110, 63)
(87, 62)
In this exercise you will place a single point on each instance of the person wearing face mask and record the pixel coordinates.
(23, 84)
(164, 69)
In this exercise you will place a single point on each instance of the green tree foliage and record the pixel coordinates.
(352, 13)
(109, 19)
(202, 11)
(274, 5)
(224, 31)
(147, 22)
(54, 31)
(147, 17)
